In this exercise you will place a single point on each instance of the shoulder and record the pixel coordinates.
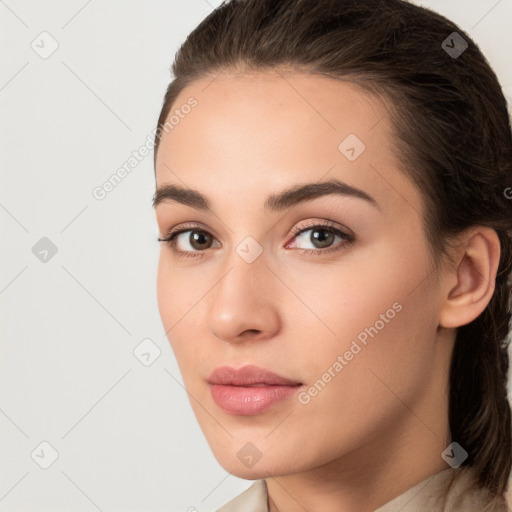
(253, 499)
(450, 490)
(465, 494)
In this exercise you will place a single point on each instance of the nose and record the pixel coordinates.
(244, 304)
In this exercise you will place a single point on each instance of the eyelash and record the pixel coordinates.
(327, 226)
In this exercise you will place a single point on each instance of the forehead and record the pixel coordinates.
(269, 106)
(264, 130)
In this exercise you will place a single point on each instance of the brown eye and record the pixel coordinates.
(191, 241)
(200, 240)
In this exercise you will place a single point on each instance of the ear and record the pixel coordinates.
(474, 274)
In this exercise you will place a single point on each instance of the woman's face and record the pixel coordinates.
(334, 292)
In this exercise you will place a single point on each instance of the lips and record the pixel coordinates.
(248, 376)
(249, 390)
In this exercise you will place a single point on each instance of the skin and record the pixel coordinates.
(380, 426)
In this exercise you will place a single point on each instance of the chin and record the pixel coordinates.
(239, 463)
(259, 471)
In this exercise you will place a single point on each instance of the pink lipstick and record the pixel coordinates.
(249, 390)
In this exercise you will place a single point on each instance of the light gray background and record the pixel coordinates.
(124, 432)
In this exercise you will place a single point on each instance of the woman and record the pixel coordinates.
(366, 368)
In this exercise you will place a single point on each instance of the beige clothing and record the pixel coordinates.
(426, 496)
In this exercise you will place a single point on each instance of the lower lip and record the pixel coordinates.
(248, 401)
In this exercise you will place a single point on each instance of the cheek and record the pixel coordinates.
(176, 292)
(165, 291)
(352, 293)
(179, 303)
(377, 305)
(173, 301)
(359, 381)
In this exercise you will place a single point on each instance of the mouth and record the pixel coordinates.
(249, 390)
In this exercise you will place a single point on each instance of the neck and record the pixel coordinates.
(362, 481)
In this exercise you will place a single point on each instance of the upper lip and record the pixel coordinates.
(248, 376)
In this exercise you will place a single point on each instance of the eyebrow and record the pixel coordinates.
(274, 203)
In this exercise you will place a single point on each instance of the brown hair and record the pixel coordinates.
(453, 138)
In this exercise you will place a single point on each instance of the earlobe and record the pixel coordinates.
(475, 275)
